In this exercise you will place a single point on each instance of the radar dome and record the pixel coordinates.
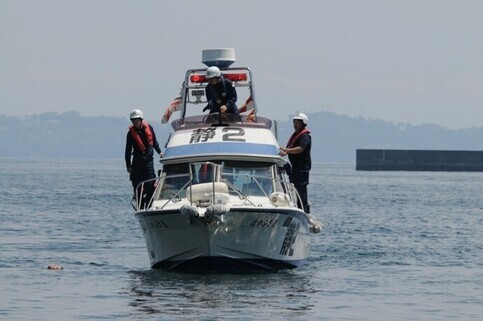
(221, 58)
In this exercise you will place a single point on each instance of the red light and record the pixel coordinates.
(232, 77)
(198, 79)
(236, 77)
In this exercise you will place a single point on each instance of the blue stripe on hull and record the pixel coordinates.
(221, 148)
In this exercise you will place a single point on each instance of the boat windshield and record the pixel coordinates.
(247, 178)
(173, 181)
(251, 178)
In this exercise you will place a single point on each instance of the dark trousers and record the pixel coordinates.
(300, 179)
(143, 169)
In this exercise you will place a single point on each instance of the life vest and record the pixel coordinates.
(137, 137)
(295, 136)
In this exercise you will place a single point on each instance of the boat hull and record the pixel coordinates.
(239, 240)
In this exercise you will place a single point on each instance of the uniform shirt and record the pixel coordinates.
(223, 93)
(302, 161)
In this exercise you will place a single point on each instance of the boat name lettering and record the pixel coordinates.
(202, 135)
(232, 132)
(264, 223)
(289, 239)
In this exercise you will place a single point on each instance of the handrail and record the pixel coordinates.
(140, 191)
(288, 189)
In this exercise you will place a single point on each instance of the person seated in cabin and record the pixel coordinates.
(220, 93)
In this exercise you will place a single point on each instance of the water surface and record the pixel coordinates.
(400, 246)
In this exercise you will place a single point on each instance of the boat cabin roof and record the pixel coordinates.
(212, 120)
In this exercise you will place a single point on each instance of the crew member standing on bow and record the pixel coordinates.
(220, 93)
(298, 151)
(140, 144)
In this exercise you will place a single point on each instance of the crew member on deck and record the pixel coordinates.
(140, 144)
(298, 151)
(220, 93)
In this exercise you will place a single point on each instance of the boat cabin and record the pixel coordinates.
(211, 157)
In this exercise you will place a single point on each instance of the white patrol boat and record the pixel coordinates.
(223, 201)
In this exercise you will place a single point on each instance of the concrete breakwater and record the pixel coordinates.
(419, 160)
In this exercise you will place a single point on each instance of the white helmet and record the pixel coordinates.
(213, 72)
(136, 113)
(302, 117)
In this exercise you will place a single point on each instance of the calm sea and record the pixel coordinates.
(400, 246)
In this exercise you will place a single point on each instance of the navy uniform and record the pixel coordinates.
(301, 165)
(140, 144)
(223, 93)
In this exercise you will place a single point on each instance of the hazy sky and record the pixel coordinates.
(401, 61)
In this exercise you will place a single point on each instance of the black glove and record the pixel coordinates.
(207, 108)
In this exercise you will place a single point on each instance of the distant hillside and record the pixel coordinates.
(335, 137)
(66, 135)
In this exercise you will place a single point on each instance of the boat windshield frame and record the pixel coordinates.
(241, 178)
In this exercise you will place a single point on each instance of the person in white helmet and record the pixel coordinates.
(298, 151)
(220, 93)
(141, 143)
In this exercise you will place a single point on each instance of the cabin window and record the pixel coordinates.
(174, 178)
(204, 172)
(251, 178)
